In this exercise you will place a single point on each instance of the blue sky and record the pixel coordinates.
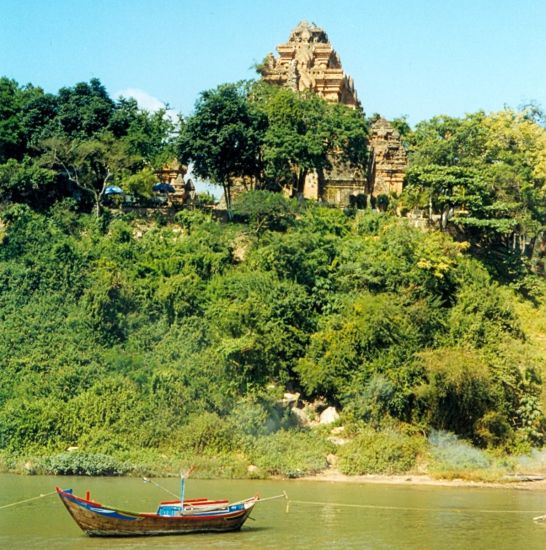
(414, 57)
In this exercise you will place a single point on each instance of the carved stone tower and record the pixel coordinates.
(308, 62)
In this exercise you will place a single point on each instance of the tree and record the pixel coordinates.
(76, 143)
(38, 119)
(27, 182)
(305, 134)
(89, 165)
(223, 137)
(296, 140)
(84, 109)
(265, 210)
(10, 128)
(485, 174)
(270, 134)
(18, 107)
(147, 134)
(140, 184)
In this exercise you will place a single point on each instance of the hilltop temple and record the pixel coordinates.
(308, 62)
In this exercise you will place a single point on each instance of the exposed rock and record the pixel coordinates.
(338, 440)
(338, 430)
(252, 469)
(301, 415)
(290, 399)
(329, 416)
(241, 245)
(318, 405)
(332, 460)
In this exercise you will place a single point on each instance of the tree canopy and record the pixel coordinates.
(485, 174)
(223, 137)
(270, 135)
(73, 143)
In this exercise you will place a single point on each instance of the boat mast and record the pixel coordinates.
(182, 490)
(183, 477)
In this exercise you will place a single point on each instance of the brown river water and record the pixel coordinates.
(332, 516)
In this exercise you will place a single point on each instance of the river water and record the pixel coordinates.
(333, 516)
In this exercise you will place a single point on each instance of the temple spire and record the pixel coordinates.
(308, 62)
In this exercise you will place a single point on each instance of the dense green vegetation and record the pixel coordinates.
(269, 137)
(484, 176)
(75, 143)
(154, 341)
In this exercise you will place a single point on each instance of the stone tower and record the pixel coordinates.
(308, 62)
(388, 159)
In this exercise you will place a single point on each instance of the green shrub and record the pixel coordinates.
(83, 464)
(458, 391)
(264, 210)
(6, 462)
(218, 466)
(451, 455)
(494, 430)
(372, 403)
(118, 336)
(387, 452)
(205, 433)
(256, 417)
(191, 220)
(290, 453)
(483, 314)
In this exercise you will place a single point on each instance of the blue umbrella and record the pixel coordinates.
(163, 188)
(113, 190)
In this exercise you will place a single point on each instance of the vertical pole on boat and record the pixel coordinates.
(182, 489)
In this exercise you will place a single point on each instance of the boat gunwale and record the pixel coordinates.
(195, 515)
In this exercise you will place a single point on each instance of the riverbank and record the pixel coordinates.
(215, 468)
(527, 482)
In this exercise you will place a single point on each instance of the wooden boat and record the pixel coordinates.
(172, 517)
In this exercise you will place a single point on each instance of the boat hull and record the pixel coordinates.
(97, 520)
